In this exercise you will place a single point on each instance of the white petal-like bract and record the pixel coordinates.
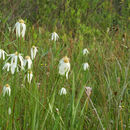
(9, 111)
(85, 66)
(16, 58)
(6, 66)
(54, 36)
(85, 51)
(23, 29)
(29, 76)
(64, 66)
(28, 61)
(2, 54)
(63, 91)
(33, 52)
(6, 89)
(20, 28)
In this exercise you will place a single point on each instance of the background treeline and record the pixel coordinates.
(76, 15)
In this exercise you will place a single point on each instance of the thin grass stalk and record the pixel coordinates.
(122, 92)
(73, 100)
(121, 119)
(96, 113)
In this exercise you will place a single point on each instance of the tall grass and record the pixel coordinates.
(35, 107)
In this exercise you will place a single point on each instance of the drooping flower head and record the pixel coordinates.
(6, 66)
(16, 58)
(33, 52)
(20, 28)
(63, 91)
(85, 66)
(85, 51)
(2, 54)
(6, 89)
(29, 76)
(54, 36)
(64, 66)
(28, 61)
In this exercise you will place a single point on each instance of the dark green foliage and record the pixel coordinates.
(73, 14)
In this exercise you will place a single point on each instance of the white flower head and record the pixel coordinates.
(28, 61)
(64, 66)
(6, 66)
(88, 91)
(14, 61)
(6, 89)
(20, 28)
(29, 76)
(33, 52)
(85, 51)
(63, 91)
(85, 66)
(2, 54)
(54, 36)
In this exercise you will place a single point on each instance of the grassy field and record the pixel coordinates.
(40, 106)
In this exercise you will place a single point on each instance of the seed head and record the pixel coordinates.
(21, 21)
(33, 47)
(66, 59)
(16, 53)
(27, 57)
(7, 85)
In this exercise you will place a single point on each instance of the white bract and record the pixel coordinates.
(9, 111)
(28, 61)
(33, 52)
(6, 66)
(13, 67)
(6, 89)
(85, 51)
(64, 66)
(54, 36)
(20, 28)
(85, 66)
(14, 61)
(29, 76)
(63, 91)
(2, 54)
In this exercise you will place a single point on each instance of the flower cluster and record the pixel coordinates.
(64, 67)
(15, 62)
